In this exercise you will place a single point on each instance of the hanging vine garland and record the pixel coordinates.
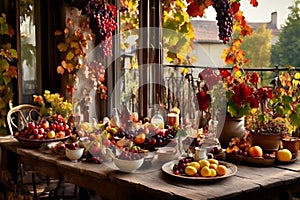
(101, 20)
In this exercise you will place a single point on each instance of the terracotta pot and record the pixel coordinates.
(268, 142)
(233, 127)
(291, 143)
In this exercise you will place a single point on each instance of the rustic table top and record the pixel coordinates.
(249, 182)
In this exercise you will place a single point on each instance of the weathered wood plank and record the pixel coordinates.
(248, 183)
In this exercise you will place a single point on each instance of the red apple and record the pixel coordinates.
(35, 131)
(41, 130)
(31, 125)
(45, 124)
(53, 126)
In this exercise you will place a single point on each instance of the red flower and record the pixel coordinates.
(224, 73)
(254, 78)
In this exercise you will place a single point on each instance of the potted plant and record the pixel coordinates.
(277, 115)
(286, 88)
(242, 95)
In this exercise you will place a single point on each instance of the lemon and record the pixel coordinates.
(205, 171)
(190, 170)
(203, 163)
(213, 161)
(213, 166)
(284, 155)
(213, 172)
(196, 165)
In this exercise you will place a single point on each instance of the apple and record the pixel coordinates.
(140, 138)
(31, 125)
(41, 130)
(45, 124)
(60, 127)
(35, 131)
(68, 131)
(39, 136)
(61, 134)
(255, 151)
(53, 126)
(284, 155)
(31, 137)
(51, 134)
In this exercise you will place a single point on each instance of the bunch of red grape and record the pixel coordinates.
(102, 20)
(224, 18)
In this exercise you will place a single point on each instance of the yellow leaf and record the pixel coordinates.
(74, 45)
(184, 71)
(60, 70)
(62, 47)
(297, 75)
(70, 67)
(70, 55)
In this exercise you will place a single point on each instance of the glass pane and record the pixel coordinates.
(28, 49)
(129, 24)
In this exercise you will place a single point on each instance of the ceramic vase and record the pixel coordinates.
(233, 127)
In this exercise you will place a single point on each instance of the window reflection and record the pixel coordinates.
(28, 47)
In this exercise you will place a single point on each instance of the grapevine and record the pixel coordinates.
(102, 20)
(224, 18)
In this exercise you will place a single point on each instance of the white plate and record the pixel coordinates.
(231, 170)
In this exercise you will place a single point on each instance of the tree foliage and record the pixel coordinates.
(257, 48)
(286, 50)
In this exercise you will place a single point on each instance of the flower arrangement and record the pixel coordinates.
(243, 92)
(52, 104)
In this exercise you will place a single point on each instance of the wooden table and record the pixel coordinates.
(276, 182)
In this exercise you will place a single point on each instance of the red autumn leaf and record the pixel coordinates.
(235, 7)
(254, 3)
(70, 89)
(12, 72)
(224, 73)
(193, 9)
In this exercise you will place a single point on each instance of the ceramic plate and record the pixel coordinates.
(231, 170)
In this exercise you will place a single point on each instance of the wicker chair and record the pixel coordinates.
(17, 118)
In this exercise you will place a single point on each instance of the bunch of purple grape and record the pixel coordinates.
(102, 20)
(224, 18)
(179, 167)
(130, 154)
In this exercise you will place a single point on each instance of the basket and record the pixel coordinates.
(18, 118)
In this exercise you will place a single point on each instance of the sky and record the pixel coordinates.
(261, 13)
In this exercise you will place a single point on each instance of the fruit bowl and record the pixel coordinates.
(128, 165)
(35, 143)
(74, 154)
